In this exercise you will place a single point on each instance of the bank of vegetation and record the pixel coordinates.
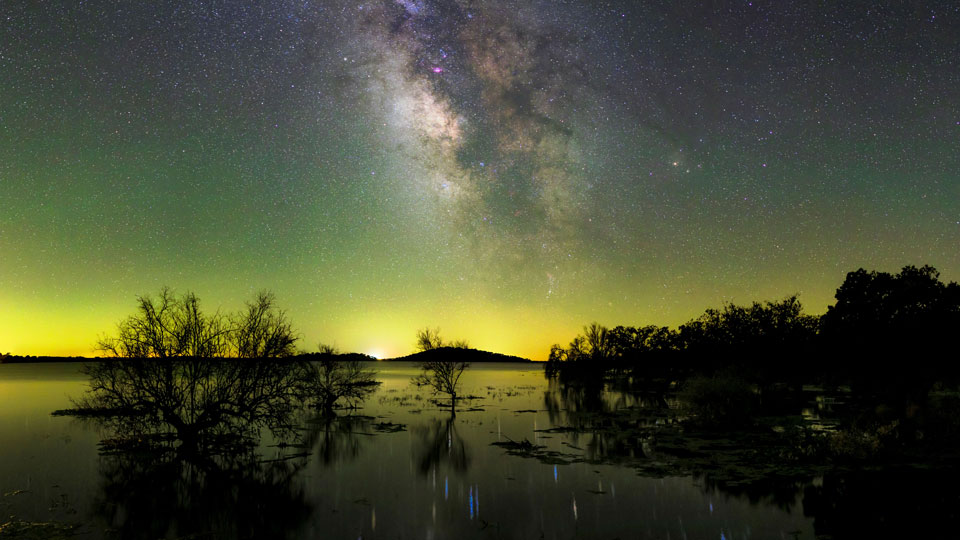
(884, 354)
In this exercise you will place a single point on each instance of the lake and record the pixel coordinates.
(400, 467)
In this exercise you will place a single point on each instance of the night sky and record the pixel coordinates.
(507, 171)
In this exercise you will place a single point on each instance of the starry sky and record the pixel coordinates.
(504, 170)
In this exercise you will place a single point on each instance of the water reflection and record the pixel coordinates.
(192, 496)
(344, 477)
(591, 420)
(337, 439)
(182, 447)
(785, 494)
(439, 444)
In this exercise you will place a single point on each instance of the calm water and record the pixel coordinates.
(440, 477)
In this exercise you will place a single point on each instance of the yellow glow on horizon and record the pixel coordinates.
(383, 327)
(516, 331)
(68, 331)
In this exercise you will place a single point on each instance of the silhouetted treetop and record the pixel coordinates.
(429, 339)
(168, 326)
(908, 305)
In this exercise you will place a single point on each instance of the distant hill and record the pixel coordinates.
(454, 353)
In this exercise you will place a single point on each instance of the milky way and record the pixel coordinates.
(508, 171)
(479, 102)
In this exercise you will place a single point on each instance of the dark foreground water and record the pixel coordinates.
(399, 468)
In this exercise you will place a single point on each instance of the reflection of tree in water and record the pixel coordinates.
(589, 410)
(187, 495)
(337, 439)
(182, 446)
(784, 493)
(440, 444)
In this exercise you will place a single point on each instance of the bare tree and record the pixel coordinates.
(167, 326)
(428, 339)
(262, 330)
(171, 327)
(330, 380)
(441, 372)
(459, 344)
(443, 376)
(598, 340)
(324, 348)
(202, 403)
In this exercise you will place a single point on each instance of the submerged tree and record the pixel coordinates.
(442, 375)
(331, 379)
(441, 370)
(193, 405)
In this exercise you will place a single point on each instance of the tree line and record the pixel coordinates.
(884, 329)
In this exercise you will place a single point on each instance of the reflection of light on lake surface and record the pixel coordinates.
(352, 476)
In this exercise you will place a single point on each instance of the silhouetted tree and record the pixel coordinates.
(262, 330)
(194, 404)
(166, 327)
(458, 344)
(331, 380)
(598, 342)
(577, 350)
(428, 339)
(762, 341)
(442, 372)
(892, 329)
(172, 327)
(556, 360)
(323, 348)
